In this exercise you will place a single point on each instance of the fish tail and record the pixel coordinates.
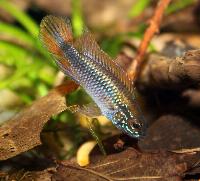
(55, 32)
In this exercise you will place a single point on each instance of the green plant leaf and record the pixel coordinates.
(139, 7)
(77, 20)
(13, 32)
(177, 5)
(28, 23)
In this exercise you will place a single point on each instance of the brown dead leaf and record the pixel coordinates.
(172, 132)
(22, 175)
(22, 132)
(127, 165)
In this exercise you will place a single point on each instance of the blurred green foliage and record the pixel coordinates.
(138, 8)
(33, 72)
(21, 17)
(179, 4)
(175, 5)
(77, 18)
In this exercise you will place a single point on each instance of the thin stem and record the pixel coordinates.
(153, 28)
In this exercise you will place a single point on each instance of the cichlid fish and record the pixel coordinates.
(84, 62)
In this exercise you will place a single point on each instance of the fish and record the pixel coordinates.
(82, 60)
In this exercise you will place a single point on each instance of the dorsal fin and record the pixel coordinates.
(87, 45)
(54, 32)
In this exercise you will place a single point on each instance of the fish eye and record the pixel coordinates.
(134, 124)
(135, 128)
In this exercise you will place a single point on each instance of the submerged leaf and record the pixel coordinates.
(22, 132)
(127, 165)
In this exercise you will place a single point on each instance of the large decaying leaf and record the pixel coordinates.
(22, 133)
(127, 165)
(172, 132)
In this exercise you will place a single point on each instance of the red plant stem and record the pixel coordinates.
(153, 28)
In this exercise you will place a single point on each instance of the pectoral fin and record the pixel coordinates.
(90, 110)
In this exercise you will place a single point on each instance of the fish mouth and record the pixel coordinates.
(137, 135)
(132, 131)
(135, 128)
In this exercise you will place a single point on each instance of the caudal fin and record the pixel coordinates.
(54, 33)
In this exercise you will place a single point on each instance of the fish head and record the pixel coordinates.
(130, 124)
(134, 128)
